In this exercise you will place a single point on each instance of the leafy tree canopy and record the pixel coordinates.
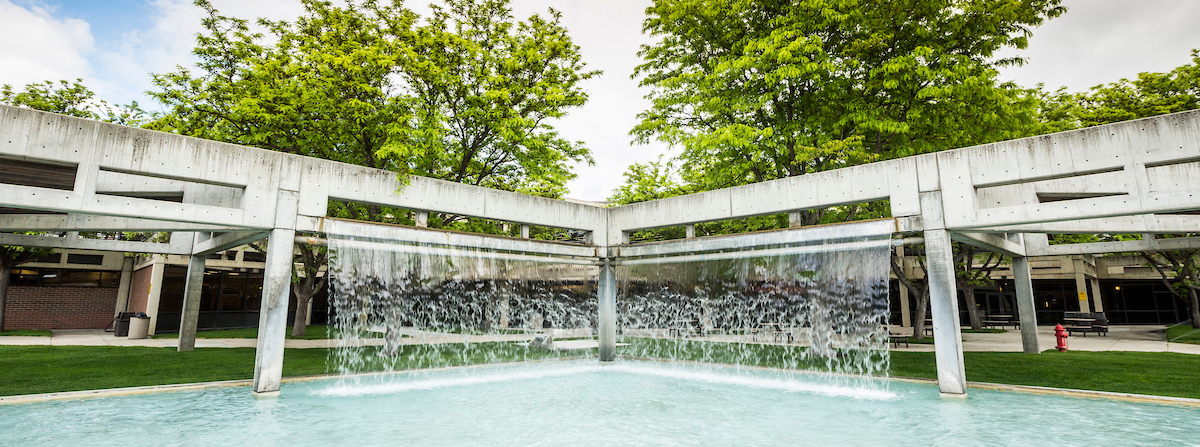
(759, 90)
(70, 98)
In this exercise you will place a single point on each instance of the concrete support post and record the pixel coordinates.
(525, 231)
(943, 300)
(1026, 308)
(422, 218)
(607, 291)
(905, 305)
(190, 317)
(125, 286)
(794, 219)
(1081, 285)
(690, 231)
(156, 279)
(1097, 300)
(272, 319)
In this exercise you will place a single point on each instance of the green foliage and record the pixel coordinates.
(1149, 95)
(754, 91)
(651, 181)
(485, 88)
(71, 98)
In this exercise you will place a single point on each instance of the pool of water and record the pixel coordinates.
(586, 403)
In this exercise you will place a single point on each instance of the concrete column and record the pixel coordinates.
(190, 317)
(905, 308)
(125, 287)
(794, 219)
(690, 231)
(943, 300)
(422, 218)
(1081, 285)
(156, 279)
(1026, 308)
(1097, 300)
(607, 292)
(524, 230)
(272, 317)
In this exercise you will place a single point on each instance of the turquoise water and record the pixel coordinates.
(587, 403)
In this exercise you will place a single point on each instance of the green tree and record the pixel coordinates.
(464, 97)
(760, 90)
(1180, 271)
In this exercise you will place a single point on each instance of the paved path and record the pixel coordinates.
(1120, 338)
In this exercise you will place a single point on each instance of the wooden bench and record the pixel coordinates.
(896, 339)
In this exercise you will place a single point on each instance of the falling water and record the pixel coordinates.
(821, 307)
(403, 306)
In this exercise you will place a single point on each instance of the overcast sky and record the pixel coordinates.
(114, 44)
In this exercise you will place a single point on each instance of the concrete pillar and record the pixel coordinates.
(1081, 285)
(422, 218)
(125, 287)
(943, 300)
(794, 218)
(607, 292)
(190, 317)
(1026, 308)
(905, 305)
(524, 231)
(690, 231)
(272, 317)
(1097, 300)
(156, 279)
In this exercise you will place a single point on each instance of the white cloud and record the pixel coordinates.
(1101, 41)
(40, 47)
(124, 66)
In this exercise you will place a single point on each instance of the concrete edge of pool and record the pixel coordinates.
(1029, 389)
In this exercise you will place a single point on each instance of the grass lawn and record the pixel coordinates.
(315, 332)
(1183, 333)
(1155, 373)
(48, 369)
(44, 369)
(26, 332)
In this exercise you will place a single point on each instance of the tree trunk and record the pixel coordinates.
(972, 307)
(300, 325)
(919, 321)
(5, 275)
(1195, 309)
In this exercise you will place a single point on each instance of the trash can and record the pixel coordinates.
(121, 327)
(139, 326)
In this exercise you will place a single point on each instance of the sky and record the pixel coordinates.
(115, 44)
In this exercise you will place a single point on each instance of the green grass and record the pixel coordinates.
(984, 331)
(315, 332)
(48, 369)
(44, 369)
(1154, 373)
(1183, 333)
(26, 333)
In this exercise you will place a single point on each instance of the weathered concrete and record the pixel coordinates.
(190, 316)
(1113, 178)
(125, 285)
(272, 321)
(1026, 309)
(607, 293)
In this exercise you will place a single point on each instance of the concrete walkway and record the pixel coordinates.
(1120, 338)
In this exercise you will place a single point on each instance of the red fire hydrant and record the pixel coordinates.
(1061, 335)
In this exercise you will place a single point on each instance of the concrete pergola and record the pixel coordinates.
(1131, 177)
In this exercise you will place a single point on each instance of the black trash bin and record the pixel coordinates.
(122, 325)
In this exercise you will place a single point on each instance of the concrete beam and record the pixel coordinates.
(89, 222)
(990, 242)
(801, 235)
(1167, 244)
(91, 244)
(1146, 223)
(226, 241)
(399, 233)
